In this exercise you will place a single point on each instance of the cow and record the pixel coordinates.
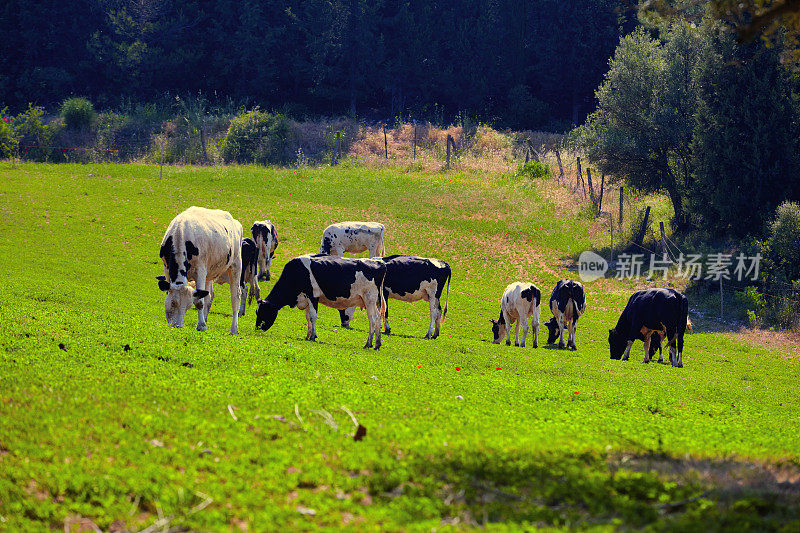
(410, 278)
(249, 276)
(338, 282)
(519, 301)
(200, 245)
(651, 315)
(352, 237)
(266, 239)
(568, 303)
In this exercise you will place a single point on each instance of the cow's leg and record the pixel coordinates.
(207, 304)
(676, 353)
(236, 297)
(243, 294)
(374, 316)
(516, 333)
(345, 315)
(438, 321)
(560, 321)
(202, 304)
(627, 353)
(524, 321)
(647, 337)
(432, 306)
(387, 330)
(311, 318)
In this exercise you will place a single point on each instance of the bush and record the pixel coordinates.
(35, 138)
(533, 170)
(8, 143)
(78, 113)
(258, 137)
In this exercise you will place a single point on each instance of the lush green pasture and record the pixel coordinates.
(109, 416)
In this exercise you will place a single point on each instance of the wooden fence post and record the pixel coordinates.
(560, 166)
(161, 168)
(415, 140)
(611, 224)
(640, 236)
(578, 175)
(663, 239)
(450, 141)
(591, 187)
(527, 154)
(621, 196)
(336, 149)
(385, 142)
(602, 187)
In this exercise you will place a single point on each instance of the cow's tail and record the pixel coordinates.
(447, 297)
(382, 316)
(685, 314)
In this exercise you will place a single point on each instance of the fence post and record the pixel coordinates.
(591, 187)
(720, 298)
(450, 141)
(663, 239)
(602, 187)
(527, 154)
(385, 142)
(560, 166)
(640, 236)
(415, 140)
(621, 196)
(578, 175)
(611, 224)
(336, 149)
(161, 168)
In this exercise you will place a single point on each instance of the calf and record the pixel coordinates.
(410, 278)
(266, 239)
(337, 282)
(352, 237)
(663, 313)
(200, 245)
(568, 303)
(249, 275)
(519, 301)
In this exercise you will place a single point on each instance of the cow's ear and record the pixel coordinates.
(163, 284)
(199, 294)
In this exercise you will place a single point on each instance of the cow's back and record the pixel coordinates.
(200, 236)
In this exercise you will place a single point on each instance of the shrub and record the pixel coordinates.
(78, 113)
(533, 170)
(35, 138)
(8, 143)
(258, 137)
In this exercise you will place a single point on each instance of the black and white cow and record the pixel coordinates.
(568, 303)
(266, 238)
(663, 313)
(519, 301)
(249, 275)
(200, 245)
(352, 237)
(338, 282)
(410, 278)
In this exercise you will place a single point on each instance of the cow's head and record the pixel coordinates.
(178, 300)
(265, 315)
(552, 330)
(617, 344)
(499, 329)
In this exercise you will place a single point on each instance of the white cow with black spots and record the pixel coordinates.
(353, 237)
(200, 246)
(519, 301)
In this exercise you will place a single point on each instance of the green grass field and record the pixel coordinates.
(109, 417)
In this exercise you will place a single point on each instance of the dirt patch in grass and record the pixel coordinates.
(785, 343)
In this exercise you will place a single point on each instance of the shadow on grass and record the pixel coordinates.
(647, 490)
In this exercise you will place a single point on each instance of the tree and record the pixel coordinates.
(642, 129)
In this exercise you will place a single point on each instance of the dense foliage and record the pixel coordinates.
(78, 113)
(528, 64)
(712, 123)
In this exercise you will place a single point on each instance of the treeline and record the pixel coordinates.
(525, 65)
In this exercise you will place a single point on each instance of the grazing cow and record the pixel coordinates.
(568, 303)
(353, 237)
(200, 245)
(337, 282)
(651, 315)
(519, 301)
(410, 278)
(249, 275)
(266, 239)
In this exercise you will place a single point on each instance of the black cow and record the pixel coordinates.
(568, 303)
(410, 278)
(337, 282)
(660, 312)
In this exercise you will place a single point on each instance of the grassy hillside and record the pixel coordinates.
(107, 416)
